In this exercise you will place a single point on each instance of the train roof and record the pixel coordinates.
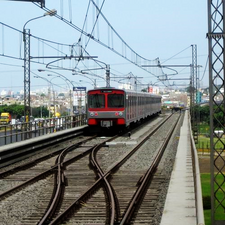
(106, 88)
(125, 90)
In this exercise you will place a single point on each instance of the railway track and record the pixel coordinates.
(15, 153)
(19, 176)
(38, 174)
(97, 185)
(148, 186)
(115, 204)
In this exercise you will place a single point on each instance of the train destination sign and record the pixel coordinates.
(79, 88)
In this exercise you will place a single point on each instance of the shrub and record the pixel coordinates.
(206, 202)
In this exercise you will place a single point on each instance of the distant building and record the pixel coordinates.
(3, 93)
(153, 90)
(174, 99)
(61, 96)
(126, 86)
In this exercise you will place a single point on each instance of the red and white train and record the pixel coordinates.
(111, 107)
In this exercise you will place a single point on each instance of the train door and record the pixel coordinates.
(135, 107)
(127, 108)
(132, 106)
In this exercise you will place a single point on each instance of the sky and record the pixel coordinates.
(162, 30)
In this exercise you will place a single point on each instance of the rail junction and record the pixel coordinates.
(148, 177)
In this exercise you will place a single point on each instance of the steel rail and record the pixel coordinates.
(10, 154)
(33, 162)
(115, 167)
(108, 187)
(30, 181)
(41, 175)
(78, 202)
(145, 179)
(29, 164)
(60, 181)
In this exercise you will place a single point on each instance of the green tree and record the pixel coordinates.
(15, 110)
(43, 95)
(18, 110)
(40, 112)
(204, 114)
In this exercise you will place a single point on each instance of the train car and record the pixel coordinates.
(111, 107)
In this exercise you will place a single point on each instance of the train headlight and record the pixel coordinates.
(118, 113)
(93, 114)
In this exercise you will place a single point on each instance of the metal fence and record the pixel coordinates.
(21, 131)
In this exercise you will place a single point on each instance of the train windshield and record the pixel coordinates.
(96, 101)
(115, 100)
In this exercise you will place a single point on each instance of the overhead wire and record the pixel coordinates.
(206, 64)
(99, 12)
(85, 20)
(81, 34)
(102, 43)
(45, 42)
(48, 80)
(7, 64)
(176, 54)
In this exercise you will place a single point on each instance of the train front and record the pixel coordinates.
(106, 107)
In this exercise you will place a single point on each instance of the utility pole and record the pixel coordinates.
(107, 75)
(26, 39)
(49, 101)
(216, 44)
(194, 79)
(27, 57)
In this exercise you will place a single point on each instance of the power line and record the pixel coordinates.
(99, 12)
(136, 60)
(176, 54)
(206, 64)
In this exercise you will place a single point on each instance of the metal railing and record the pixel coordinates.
(197, 181)
(21, 131)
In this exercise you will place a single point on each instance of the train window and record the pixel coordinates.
(96, 101)
(115, 100)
